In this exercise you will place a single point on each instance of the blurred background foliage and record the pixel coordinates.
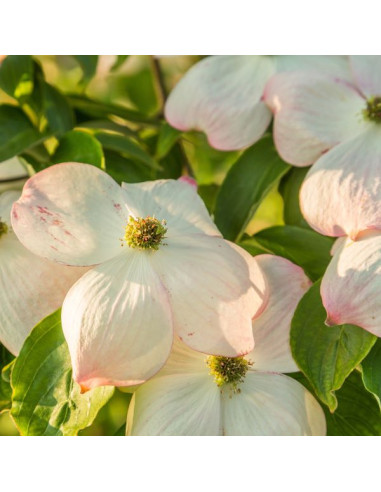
(108, 111)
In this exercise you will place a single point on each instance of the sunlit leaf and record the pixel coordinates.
(120, 59)
(326, 355)
(16, 75)
(46, 400)
(78, 146)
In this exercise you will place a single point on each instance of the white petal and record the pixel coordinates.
(183, 360)
(341, 194)
(174, 201)
(30, 289)
(367, 74)
(7, 199)
(287, 283)
(212, 296)
(351, 285)
(118, 323)
(313, 113)
(336, 66)
(271, 405)
(71, 213)
(221, 95)
(178, 405)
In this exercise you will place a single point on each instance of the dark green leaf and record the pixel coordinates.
(289, 189)
(326, 355)
(57, 110)
(46, 400)
(304, 247)
(357, 413)
(371, 371)
(78, 146)
(98, 109)
(120, 59)
(168, 136)
(88, 64)
(209, 194)
(247, 183)
(122, 169)
(16, 75)
(253, 247)
(171, 164)
(16, 132)
(127, 147)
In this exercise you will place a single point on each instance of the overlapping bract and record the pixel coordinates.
(30, 287)
(119, 318)
(183, 398)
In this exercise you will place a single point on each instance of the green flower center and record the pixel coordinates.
(228, 370)
(3, 228)
(145, 233)
(373, 109)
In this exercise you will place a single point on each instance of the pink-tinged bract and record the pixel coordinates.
(351, 285)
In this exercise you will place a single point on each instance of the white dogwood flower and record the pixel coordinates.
(161, 265)
(223, 95)
(198, 395)
(336, 125)
(30, 287)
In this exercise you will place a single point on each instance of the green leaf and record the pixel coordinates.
(57, 110)
(88, 64)
(140, 88)
(46, 400)
(95, 125)
(371, 371)
(251, 245)
(16, 132)
(247, 183)
(6, 364)
(16, 75)
(304, 247)
(209, 194)
(125, 170)
(97, 109)
(168, 136)
(120, 59)
(326, 355)
(209, 165)
(289, 189)
(78, 146)
(127, 147)
(357, 413)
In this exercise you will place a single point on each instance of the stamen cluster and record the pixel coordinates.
(228, 370)
(145, 233)
(373, 109)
